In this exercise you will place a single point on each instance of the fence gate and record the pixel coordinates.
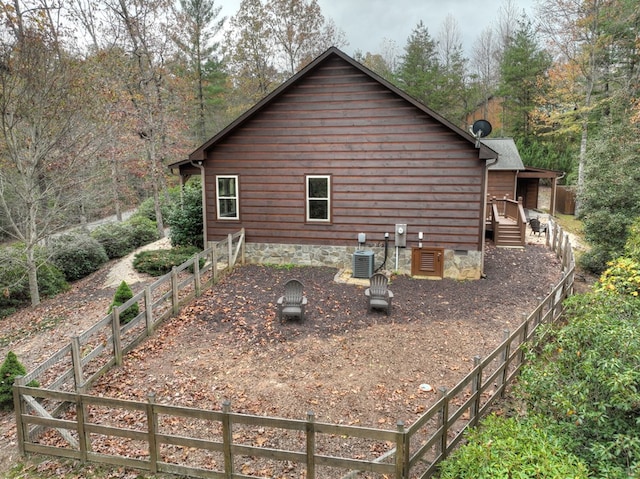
(427, 262)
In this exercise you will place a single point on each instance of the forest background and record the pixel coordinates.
(97, 97)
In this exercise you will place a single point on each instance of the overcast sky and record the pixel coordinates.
(367, 23)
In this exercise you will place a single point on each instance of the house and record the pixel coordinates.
(336, 162)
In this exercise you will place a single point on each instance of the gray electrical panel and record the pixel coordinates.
(401, 236)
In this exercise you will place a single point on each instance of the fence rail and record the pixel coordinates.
(223, 444)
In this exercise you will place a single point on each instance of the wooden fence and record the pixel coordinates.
(80, 363)
(222, 444)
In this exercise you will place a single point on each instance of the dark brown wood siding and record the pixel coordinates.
(501, 183)
(389, 163)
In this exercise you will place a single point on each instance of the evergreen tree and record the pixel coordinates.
(453, 73)
(124, 294)
(522, 69)
(10, 369)
(611, 198)
(419, 67)
(198, 26)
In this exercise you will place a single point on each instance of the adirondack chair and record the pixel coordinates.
(378, 293)
(293, 303)
(537, 227)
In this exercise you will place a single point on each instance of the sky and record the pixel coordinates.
(367, 23)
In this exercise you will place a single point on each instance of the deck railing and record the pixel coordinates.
(223, 444)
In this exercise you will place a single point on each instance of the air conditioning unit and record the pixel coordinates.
(363, 264)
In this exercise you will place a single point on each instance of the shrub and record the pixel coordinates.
(632, 245)
(10, 369)
(14, 283)
(120, 239)
(124, 294)
(508, 447)
(185, 220)
(159, 262)
(147, 208)
(622, 277)
(595, 260)
(115, 239)
(588, 381)
(77, 255)
(142, 231)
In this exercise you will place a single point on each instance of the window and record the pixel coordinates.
(318, 198)
(227, 193)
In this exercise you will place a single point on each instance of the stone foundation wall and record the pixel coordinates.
(462, 265)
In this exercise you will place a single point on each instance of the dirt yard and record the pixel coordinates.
(344, 364)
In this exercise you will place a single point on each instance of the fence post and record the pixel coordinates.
(21, 432)
(196, 274)
(175, 304)
(148, 310)
(230, 250)
(152, 427)
(214, 262)
(476, 384)
(402, 455)
(227, 439)
(115, 328)
(505, 361)
(76, 359)
(311, 445)
(443, 420)
(83, 439)
(243, 239)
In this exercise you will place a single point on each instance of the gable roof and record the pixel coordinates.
(200, 154)
(508, 155)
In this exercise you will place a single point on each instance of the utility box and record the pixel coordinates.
(363, 264)
(401, 236)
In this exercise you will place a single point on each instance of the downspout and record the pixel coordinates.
(484, 214)
(204, 203)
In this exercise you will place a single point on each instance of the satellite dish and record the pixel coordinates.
(481, 128)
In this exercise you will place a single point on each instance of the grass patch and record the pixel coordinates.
(570, 224)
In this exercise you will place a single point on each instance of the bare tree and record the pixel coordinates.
(270, 41)
(147, 46)
(574, 33)
(46, 138)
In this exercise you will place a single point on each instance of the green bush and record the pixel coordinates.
(159, 262)
(622, 277)
(142, 231)
(632, 245)
(77, 255)
(185, 220)
(595, 260)
(147, 208)
(10, 369)
(115, 239)
(124, 294)
(120, 239)
(588, 381)
(14, 282)
(508, 447)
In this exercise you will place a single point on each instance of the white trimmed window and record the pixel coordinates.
(227, 194)
(318, 198)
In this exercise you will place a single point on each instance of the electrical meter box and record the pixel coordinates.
(401, 236)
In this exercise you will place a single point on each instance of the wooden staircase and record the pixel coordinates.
(508, 234)
(509, 228)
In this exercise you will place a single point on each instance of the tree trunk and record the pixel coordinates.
(32, 267)
(153, 161)
(114, 187)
